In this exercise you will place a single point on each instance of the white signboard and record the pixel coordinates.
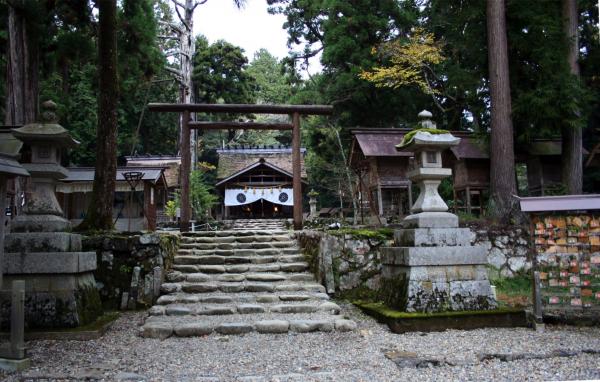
(240, 196)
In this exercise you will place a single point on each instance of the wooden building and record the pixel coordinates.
(74, 193)
(385, 191)
(256, 182)
(383, 188)
(470, 163)
(543, 158)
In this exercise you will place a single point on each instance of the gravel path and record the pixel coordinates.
(562, 353)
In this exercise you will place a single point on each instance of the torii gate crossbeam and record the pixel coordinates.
(186, 109)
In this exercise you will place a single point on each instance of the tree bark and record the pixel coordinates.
(99, 214)
(572, 149)
(502, 167)
(22, 67)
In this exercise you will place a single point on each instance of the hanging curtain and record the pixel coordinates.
(240, 196)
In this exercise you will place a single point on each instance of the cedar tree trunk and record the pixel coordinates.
(502, 167)
(99, 214)
(22, 67)
(572, 150)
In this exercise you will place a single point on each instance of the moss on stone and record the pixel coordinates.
(411, 134)
(380, 234)
(89, 305)
(382, 310)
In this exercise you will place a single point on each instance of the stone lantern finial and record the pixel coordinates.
(426, 122)
(49, 112)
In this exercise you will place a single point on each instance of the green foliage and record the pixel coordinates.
(220, 73)
(202, 195)
(345, 32)
(272, 81)
(171, 209)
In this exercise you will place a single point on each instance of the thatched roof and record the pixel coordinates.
(232, 160)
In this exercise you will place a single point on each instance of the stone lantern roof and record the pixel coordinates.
(48, 130)
(9, 151)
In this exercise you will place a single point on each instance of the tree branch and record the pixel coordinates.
(182, 19)
(198, 3)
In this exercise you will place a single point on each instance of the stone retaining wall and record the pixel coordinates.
(344, 262)
(131, 268)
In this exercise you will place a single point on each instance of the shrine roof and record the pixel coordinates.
(86, 174)
(232, 160)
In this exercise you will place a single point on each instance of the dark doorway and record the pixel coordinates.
(261, 209)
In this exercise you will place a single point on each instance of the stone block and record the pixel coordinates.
(431, 220)
(193, 329)
(234, 328)
(428, 237)
(42, 242)
(14, 365)
(40, 223)
(442, 274)
(161, 330)
(49, 262)
(417, 256)
(272, 326)
(496, 258)
(345, 325)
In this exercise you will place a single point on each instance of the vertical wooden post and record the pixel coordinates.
(186, 162)
(468, 196)
(17, 322)
(297, 182)
(3, 188)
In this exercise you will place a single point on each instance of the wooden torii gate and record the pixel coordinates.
(186, 109)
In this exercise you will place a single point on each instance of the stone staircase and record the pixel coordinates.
(240, 281)
(258, 224)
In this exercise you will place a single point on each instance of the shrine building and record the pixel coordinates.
(255, 182)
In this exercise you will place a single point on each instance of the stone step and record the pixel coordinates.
(189, 326)
(222, 260)
(237, 233)
(275, 266)
(233, 239)
(237, 287)
(239, 252)
(241, 298)
(239, 277)
(235, 245)
(203, 309)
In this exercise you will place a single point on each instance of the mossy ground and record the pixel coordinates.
(382, 310)
(514, 292)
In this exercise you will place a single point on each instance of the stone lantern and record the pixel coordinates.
(59, 279)
(433, 267)
(312, 202)
(46, 141)
(429, 210)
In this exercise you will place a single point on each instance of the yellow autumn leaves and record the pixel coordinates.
(410, 62)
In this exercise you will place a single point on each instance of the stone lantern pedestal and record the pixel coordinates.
(60, 285)
(433, 267)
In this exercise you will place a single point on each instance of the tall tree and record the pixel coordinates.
(22, 67)
(572, 149)
(502, 158)
(99, 214)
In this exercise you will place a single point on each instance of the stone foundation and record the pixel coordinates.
(60, 290)
(434, 270)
